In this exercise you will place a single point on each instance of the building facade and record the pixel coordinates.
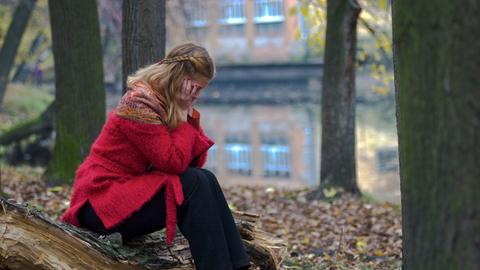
(264, 119)
(238, 31)
(262, 144)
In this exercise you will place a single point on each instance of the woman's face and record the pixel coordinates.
(200, 83)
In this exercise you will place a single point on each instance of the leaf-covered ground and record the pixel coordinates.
(346, 232)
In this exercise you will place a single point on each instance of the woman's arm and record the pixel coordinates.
(169, 151)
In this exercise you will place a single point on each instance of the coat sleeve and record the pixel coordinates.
(170, 151)
(200, 159)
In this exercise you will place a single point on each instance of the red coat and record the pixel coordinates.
(114, 176)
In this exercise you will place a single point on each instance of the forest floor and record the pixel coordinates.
(343, 232)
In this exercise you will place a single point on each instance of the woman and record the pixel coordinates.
(147, 160)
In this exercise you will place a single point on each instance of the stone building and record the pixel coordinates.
(264, 120)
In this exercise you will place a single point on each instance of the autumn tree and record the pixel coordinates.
(143, 34)
(12, 41)
(79, 95)
(332, 32)
(437, 67)
(338, 165)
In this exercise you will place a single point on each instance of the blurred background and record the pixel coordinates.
(263, 107)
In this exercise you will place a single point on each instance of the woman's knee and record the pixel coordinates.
(210, 176)
(208, 173)
(191, 179)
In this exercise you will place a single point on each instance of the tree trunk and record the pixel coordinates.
(437, 67)
(80, 94)
(29, 240)
(12, 41)
(338, 167)
(143, 34)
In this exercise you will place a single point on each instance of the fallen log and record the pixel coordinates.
(30, 240)
(42, 124)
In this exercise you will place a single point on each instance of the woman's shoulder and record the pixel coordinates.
(119, 117)
(131, 125)
(141, 105)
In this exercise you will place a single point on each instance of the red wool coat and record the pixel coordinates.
(114, 176)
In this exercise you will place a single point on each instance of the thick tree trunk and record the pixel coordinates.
(29, 240)
(12, 41)
(437, 67)
(143, 34)
(338, 167)
(80, 94)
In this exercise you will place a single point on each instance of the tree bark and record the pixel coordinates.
(437, 67)
(338, 166)
(80, 94)
(12, 41)
(143, 34)
(29, 240)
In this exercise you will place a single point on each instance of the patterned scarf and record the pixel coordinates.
(141, 103)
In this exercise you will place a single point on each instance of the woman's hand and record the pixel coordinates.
(186, 97)
(187, 94)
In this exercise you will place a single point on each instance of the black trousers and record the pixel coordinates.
(204, 219)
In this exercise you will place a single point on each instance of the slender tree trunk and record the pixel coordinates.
(19, 74)
(80, 94)
(12, 41)
(143, 34)
(437, 67)
(338, 167)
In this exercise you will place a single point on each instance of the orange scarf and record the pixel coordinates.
(142, 103)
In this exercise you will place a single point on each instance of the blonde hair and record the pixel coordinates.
(165, 77)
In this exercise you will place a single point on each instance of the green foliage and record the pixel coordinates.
(315, 15)
(368, 198)
(332, 192)
(6, 15)
(375, 43)
(374, 48)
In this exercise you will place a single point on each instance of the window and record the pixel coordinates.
(269, 11)
(232, 12)
(275, 157)
(387, 159)
(238, 153)
(196, 13)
